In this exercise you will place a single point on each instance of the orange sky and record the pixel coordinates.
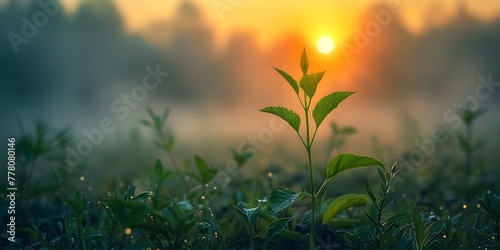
(271, 19)
(268, 20)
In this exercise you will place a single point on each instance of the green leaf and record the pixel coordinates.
(150, 111)
(419, 225)
(158, 168)
(165, 176)
(289, 79)
(289, 116)
(372, 221)
(343, 202)
(248, 217)
(281, 198)
(345, 162)
(128, 213)
(201, 165)
(327, 104)
(143, 195)
(206, 173)
(243, 157)
(405, 244)
(309, 82)
(275, 228)
(370, 192)
(170, 143)
(383, 177)
(304, 62)
(146, 123)
(349, 130)
(130, 192)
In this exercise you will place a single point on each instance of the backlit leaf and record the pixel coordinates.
(344, 162)
(289, 79)
(343, 202)
(327, 104)
(304, 62)
(158, 168)
(309, 82)
(289, 116)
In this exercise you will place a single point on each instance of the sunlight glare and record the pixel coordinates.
(325, 45)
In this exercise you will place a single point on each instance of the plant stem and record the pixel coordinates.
(379, 214)
(252, 244)
(311, 177)
(468, 160)
(164, 139)
(313, 199)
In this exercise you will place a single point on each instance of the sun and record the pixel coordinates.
(325, 45)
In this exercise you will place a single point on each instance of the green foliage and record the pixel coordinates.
(275, 228)
(287, 115)
(309, 84)
(248, 217)
(289, 79)
(206, 173)
(341, 203)
(304, 62)
(327, 104)
(345, 162)
(491, 204)
(281, 198)
(193, 211)
(426, 232)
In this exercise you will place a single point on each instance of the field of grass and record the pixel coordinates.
(449, 202)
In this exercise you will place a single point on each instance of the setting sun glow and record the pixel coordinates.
(325, 45)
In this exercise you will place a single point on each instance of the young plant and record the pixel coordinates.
(166, 140)
(305, 90)
(32, 147)
(384, 226)
(469, 148)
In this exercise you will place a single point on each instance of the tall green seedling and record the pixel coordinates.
(305, 89)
